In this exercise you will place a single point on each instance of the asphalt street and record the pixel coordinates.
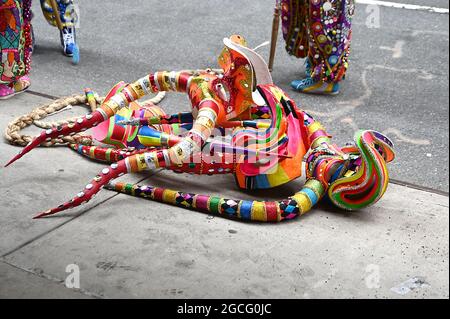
(397, 82)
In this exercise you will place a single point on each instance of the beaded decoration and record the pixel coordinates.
(319, 30)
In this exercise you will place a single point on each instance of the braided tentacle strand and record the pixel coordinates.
(120, 96)
(12, 132)
(71, 129)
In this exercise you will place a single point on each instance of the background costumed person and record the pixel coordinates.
(15, 46)
(320, 31)
(66, 24)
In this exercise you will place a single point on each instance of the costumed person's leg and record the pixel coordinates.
(15, 47)
(329, 34)
(295, 32)
(68, 18)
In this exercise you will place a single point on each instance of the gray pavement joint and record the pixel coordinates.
(50, 278)
(44, 95)
(418, 187)
(54, 228)
(64, 223)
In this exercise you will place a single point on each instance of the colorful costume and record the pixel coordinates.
(67, 17)
(15, 46)
(240, 124)
(319, 30)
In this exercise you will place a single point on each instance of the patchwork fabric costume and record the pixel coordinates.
(240, 124)
(320, 31)
(15, 46)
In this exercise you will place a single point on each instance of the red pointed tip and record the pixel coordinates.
(47, 213)
(13, 160)
(33, 144)
(40, 215)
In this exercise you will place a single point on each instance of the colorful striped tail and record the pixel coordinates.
(370, 181)
(259, 211)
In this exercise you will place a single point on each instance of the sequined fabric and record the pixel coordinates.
(321, 31)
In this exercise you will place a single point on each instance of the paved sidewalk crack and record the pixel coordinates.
(53, 279)
(66, 222)
(44, 95)
(418, 187)
(53, 229)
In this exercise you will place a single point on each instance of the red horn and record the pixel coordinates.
(82, 124)
(91, 189)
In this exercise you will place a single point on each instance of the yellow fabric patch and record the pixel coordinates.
(169, 196)
(279, 177)
(303, 202)
(259, 212)
(149, 141)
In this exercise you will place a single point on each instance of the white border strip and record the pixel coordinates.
(403, 6)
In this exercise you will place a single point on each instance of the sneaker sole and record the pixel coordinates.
(12, 95)
(319, 93)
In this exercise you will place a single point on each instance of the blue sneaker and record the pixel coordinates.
(309, 85)
(68, 38)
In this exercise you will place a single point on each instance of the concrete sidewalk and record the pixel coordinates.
(132, 248)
